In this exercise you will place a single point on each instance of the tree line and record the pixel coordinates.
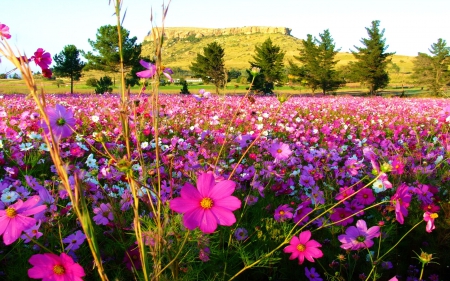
(314, 67)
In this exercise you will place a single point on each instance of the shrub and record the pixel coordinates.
(104, 85)
(91, 82)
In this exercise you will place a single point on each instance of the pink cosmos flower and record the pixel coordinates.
(15, 218)
(301, 247)
(359, 237)
(4, 31)
(429, 218)
(208, 205)
(42, 58)
(280, 151)
(283, 213)
(32, 232)
(341, 216)
(103, 214)
(401, 200)
(149, 72)
(61, 120)
(365, 196)
(51, 267)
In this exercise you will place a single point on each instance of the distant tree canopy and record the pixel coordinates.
(210, 66)
(106, 55)
(372, 60)
(318, 64)
(269, 59)
(68, 64)
(432, 71)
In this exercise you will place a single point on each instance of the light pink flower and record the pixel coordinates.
(51, 267)
(208, 205)
(149, 72)
(302, 247)
(4, 31)
(15, 218)
(429, 218)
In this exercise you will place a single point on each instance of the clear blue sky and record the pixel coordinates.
(411, 26)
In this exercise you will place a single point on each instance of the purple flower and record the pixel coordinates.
(61, 121)
(241, 233)
(401, 200)
(103, 214)
(74, 240)
(149, 72)
(312, 275)
(359, 237)
(208, 205)
(283, 213)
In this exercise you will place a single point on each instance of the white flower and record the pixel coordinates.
(9, 196)
(136, 167)
(34, 136)
(25, 146)
(378, 186)
(95, 118)
(91, 162)
(1, 144)
(44, 147)
(438, 159)
(144, 145)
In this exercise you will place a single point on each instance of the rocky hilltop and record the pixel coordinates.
(185, 32)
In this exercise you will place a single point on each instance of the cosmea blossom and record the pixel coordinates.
(51, 267)
(4, 31)
(302, 247)
(359, 237)
(208, 205)
(61, 121)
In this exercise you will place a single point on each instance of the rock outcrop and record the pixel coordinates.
(195, 32)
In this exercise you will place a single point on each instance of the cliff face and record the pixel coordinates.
(184, 32)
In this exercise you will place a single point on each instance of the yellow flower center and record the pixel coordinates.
(206, 203)
(281, 212)
(301, 247)
(279, 150)
(11, 213)
(58, 269)
(434, 216)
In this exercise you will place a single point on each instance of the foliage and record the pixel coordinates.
(372, 60)
(106, 48)
(3, 76)
(68, 64)
(233, 74)
(103, 85)
(184, 89)
(432, 71)
(318, 63)
(210, 66)
(91, 82)
(269, 59)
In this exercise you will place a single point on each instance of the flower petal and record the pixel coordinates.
(304, 237)
(208, 224)
(205, 182)
(230, 203)
(222, 189)
(223, 215)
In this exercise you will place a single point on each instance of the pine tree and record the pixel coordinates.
(210, 66)
(372, 60)
(68, 64)
(318, 64)
(269, 59)
(432, 71)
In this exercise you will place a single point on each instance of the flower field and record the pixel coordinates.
(229, 187)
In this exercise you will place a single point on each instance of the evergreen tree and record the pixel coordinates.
(269, 59)
(432, 71)
(106, 48)
(318, 64)
(210, 66)
(68, 64)
(372, 60)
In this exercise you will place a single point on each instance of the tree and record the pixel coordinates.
(107, 48)
(317, 57)
(269, 59)
(432, 71)
(210, 66)
(372, 60)
(68, 64)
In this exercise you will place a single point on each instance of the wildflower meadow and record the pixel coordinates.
(216, 187)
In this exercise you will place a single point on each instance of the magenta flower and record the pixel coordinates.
(42, 58)
(167, 72)
(103, 214)
(15, 218)
(208, 205)
(149, 72)
(283, 212)
(401, 200)
(429, 218)
(4, 31)
(359, 237)
(301, 247)
(51, 267)
(74, 240)
(341, 216)
(312, 274)
(365, 196)
(280, 151)
(61, 121)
